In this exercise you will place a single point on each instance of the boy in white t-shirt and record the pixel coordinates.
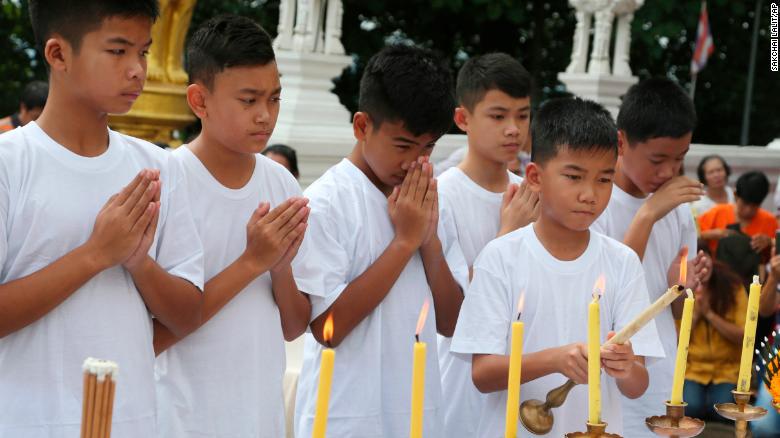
(375, 252)
(649, 212)
(225, 378)
(554, 264)
(483, 198)
(85, 257)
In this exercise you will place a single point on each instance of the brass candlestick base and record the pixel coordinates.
(741, 412)
(776, 405)
(537, 416)
(594, 431)
(675, 424)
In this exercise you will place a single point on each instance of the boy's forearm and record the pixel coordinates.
(174, 301)
(638, 232)
(447, 294)
(490, 372)
(364, 293)
(163, 338)
(27, 299)
(636, 383)
(294, 306)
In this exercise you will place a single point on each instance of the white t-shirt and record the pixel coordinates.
(705, 202)
(225, 379)
(349, 228)
(476, 214)
(555, 313)
(669, 234)
(49, 198)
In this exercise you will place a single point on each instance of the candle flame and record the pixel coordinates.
(520, 304)
(684, 266)
(423, 316)
(599, 287)
(327, 329)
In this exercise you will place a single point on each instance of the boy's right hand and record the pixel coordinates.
(270, 233)
(121, 223)
(411, 205)
(676, 191)
(572, 362)
(519, 207)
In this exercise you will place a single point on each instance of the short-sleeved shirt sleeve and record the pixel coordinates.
(322, 265)
(486, 312)
(179, 250)
(633, 300)
(453, 253)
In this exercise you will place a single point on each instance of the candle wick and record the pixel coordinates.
(518, 315)
(680, 287)
(329, 344)
(417, 337)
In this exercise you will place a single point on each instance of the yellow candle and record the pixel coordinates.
(418, 390)
(418, 378)
(749, 338)
(594, 354)
(682, 350)
(326, 378)
(513, 386)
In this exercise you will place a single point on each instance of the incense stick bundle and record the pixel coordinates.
(98, 404)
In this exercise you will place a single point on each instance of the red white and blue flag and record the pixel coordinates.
(704, 44)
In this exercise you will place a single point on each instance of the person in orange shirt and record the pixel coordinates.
(31, 104)
(746, 213)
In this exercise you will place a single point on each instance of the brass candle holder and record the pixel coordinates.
(594, 431)
(675, 424)
(741, 412)
(537, 416)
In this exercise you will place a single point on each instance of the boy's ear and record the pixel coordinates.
(57, 53)
(461, 118)
(360, 125)
(533, 177)
(196, 99)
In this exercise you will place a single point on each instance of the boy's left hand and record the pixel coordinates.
(433, 225)
(617, 359)
(140, 253)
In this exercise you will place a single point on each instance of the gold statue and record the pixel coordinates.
(169, 33)
(162, 107)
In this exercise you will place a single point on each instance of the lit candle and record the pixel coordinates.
(594, 354)
(682, 349)
(749, 338)
(326, 378)
(418, 377)
(513, 386)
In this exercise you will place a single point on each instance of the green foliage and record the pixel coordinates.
(17, 55)
(539, 33)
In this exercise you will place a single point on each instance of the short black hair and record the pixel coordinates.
(223, 42)
(34, 94)
(752, 187)
(288, 153)
(72, 19)
(656, 107)
(574, 124)
(494, 71)
(700, 168)
(410, 85)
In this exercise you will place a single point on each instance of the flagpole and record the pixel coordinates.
(693, 85)
(743, 137)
